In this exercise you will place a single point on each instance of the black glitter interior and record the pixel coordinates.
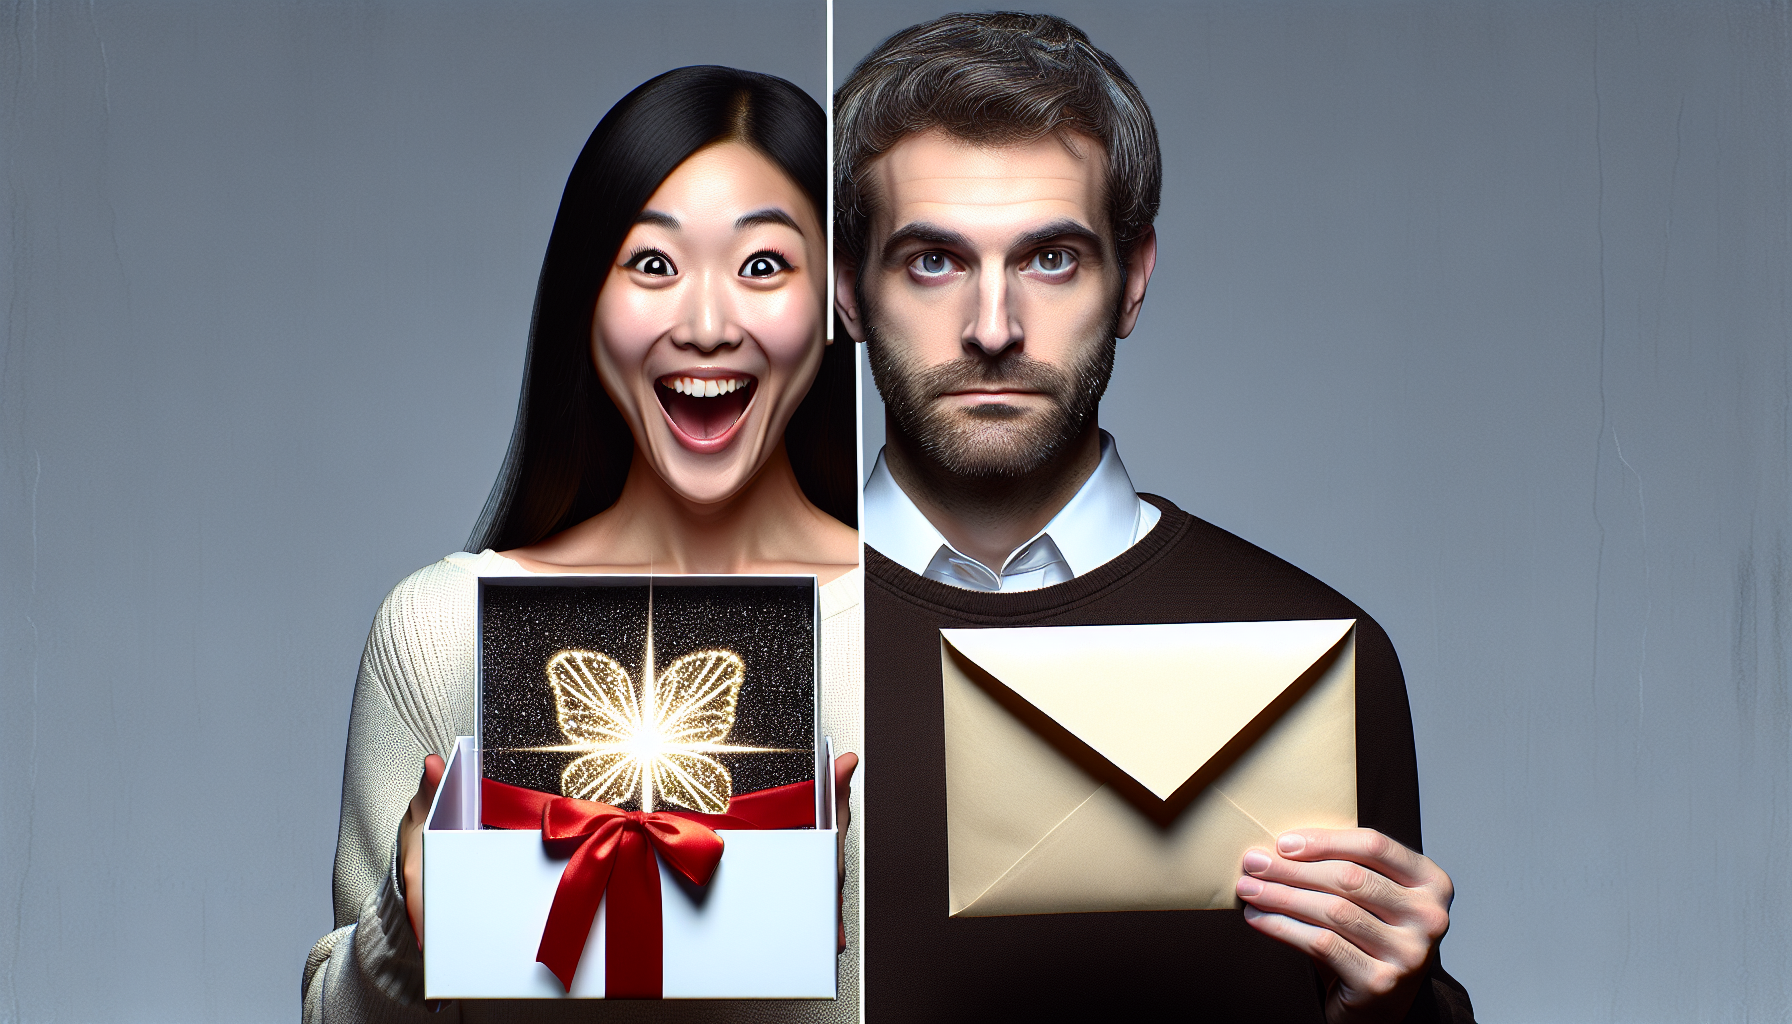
(769, 623)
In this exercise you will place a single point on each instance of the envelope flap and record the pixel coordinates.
(1160, 700)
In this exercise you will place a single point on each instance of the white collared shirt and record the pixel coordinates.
(1104, 518)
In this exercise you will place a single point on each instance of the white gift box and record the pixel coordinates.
(763, 928)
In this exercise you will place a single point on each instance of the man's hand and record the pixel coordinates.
(1368, 910)
(844, 766)
(410, 841)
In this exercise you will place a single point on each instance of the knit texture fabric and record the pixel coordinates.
(413, 697)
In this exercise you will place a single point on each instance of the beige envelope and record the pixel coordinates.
(1099, 768)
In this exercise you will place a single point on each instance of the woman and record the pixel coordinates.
(681, 413)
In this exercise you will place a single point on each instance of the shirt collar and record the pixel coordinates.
(1102, 520)
(894, 526)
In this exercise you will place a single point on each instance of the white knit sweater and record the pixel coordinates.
(414, 695)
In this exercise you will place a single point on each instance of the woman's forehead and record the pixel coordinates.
(729, 186)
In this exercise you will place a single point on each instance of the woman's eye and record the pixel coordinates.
(932, 264)
(764, 264)
(1052, 262)
(653, 263)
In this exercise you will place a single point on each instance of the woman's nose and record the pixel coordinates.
(707, 319)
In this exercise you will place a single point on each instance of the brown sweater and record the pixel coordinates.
(921, 965)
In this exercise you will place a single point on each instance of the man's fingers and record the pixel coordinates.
(1370, 890)
(1405, 948)
(1425, 908)
(1363, 977)
(1358, 903)
(1363, 846)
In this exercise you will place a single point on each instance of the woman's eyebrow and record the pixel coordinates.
(664, 220)
(769, 215)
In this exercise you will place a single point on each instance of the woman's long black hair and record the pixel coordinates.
(570, 450)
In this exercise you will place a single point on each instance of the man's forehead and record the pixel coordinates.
(946, 181)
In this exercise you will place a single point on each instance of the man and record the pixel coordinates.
(997, 181)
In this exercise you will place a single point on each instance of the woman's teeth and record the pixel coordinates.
(704, 409)
(697, 387)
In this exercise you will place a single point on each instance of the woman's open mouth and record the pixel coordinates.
(705, 409)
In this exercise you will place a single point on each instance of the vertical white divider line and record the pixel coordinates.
(858, 448)
(858, 382)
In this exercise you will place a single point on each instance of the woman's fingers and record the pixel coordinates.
(433, 769)
(410, 841)
(844, 767)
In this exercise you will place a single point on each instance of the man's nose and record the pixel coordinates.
(707, 318)
(994, 328)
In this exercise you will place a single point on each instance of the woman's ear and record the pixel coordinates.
(846, 299)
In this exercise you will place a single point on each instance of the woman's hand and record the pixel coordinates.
(844, 766)
(410, 841)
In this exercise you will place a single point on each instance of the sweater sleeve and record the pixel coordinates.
(413, 696)
(1443, 1000)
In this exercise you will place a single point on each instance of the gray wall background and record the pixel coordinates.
(1479, 313)
(267, 274)
(1476, 312)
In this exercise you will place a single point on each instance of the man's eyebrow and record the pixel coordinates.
(664, 220)
(769, 215)
(925, 234)
(1065, 228)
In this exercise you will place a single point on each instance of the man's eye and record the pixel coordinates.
(933, 264)
(653, 263)
(764, 264)
(1051, 261)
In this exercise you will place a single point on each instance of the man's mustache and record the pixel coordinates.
(970, 373)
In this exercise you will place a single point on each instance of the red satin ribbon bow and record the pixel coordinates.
(612, 854)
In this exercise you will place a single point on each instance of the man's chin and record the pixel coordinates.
(991, 449)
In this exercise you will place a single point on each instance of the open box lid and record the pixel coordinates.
(718, 675)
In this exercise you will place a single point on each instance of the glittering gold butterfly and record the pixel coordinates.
(651, 743)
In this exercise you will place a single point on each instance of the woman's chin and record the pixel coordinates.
(708, 475)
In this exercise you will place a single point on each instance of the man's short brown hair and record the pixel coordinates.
(994, 79)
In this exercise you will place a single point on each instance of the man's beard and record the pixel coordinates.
(991, 441)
